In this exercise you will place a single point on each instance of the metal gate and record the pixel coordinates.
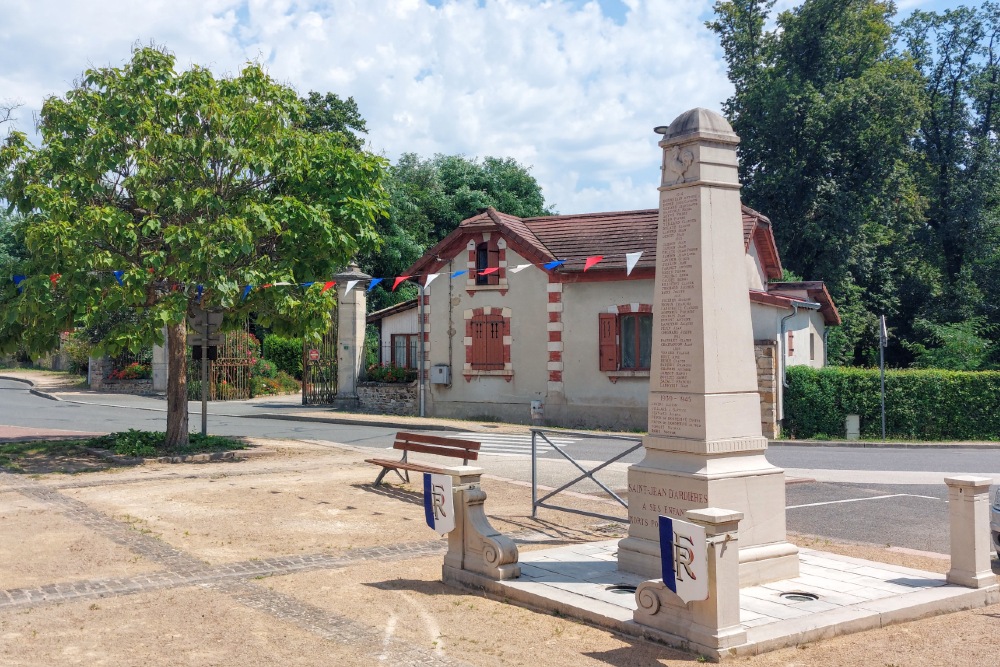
(229, 374)
(319, 374)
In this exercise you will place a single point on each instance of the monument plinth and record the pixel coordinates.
(705, 447)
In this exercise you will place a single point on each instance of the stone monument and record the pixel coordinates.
(704, 447)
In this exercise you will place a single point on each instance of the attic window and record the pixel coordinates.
(487, 258)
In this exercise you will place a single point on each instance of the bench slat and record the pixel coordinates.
(400, 465)
(421, 439)
(457, 453)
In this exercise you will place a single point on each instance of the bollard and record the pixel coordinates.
(969, 523)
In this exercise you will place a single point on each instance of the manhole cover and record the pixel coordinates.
(799, 596)
(621, 589)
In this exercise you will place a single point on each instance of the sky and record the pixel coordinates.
(570, 88)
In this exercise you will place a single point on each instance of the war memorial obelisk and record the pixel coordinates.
(704, 447)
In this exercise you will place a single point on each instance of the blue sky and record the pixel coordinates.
(571, 88)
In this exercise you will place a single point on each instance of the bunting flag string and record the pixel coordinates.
(631, 261)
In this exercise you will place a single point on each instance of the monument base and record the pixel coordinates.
(670, 483)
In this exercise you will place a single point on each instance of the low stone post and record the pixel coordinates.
(475, 546)
(351, 308)
(710, 626)
(968, 510)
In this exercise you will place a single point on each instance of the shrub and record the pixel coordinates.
(285, 353)
(263, 368)
(134, 371)
(150, 443)
(77, 351)
(920, 404)
(281, 383)
(390, 373)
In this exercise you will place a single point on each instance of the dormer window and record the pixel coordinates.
(487, 258)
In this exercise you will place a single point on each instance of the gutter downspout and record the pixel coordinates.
(422, 364)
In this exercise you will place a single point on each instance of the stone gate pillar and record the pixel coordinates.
(705, 447)
(160, 365)
(351, 312)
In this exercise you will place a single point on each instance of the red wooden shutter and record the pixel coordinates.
(494, 345)
(478, 342)
(608, 341)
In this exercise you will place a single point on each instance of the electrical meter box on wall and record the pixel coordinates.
(441, 374)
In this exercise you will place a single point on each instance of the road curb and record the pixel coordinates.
(358, 422)
(33, 390)
(883, 445)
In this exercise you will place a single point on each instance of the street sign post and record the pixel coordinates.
(206, 324)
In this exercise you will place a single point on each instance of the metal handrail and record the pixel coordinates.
(537, 502)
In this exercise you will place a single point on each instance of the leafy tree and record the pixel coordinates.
(826, 112)
(961, 346)
(192, 187)
(328, 113)
(429, 197)
(958, 53)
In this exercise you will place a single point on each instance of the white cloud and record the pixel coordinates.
(555, 84)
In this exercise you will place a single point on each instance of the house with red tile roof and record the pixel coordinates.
(501, 331)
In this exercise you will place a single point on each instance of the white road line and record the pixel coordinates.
(856, 500)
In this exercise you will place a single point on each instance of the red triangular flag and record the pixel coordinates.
(54, 278)
(327, 285)
(266, 286)
(591, 261)
(492, 269)
(399, 280)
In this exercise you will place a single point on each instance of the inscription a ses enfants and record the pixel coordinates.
(656, 500)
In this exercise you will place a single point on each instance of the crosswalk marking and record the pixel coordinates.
(508, 444)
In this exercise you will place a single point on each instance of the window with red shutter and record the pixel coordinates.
(608, 341)
(487, 342)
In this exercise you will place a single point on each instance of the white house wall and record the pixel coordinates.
(527, 298)
(588, 396)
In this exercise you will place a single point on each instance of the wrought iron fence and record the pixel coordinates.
(229, 374)
(319, 374)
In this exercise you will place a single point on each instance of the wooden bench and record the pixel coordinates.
(467, 450)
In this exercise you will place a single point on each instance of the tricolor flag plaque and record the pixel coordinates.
(439, 503)
(684, 557)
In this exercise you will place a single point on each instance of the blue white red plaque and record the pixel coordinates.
(684, 557)
(439, 503)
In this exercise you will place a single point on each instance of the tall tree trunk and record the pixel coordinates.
(177, 400)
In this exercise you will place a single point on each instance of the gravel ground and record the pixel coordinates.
(294, 559)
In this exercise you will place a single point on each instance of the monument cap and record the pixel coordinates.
(700, 122)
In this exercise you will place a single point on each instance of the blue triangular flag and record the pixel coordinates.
(458, 273)
(118, 277)
(201, 290)
(246, 290)
(551, 265)
(17, 283)
(309, 284)
(373, 283)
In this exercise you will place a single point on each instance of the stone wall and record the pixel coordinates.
(99, 380)
(390, 398)
(766, 355)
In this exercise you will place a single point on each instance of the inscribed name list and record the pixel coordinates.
(679, 286)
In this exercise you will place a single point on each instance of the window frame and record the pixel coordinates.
(487, 257)
(412, 350)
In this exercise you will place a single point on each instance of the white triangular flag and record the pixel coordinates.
(350, 285)
(430, 279)
(282, 283)
(631, 259)
(519, 267)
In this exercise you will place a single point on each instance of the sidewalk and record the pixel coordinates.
(59, 386)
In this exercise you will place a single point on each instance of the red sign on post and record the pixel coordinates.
(313, 355)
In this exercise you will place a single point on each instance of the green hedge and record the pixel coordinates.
(919, 404)
(285, 353)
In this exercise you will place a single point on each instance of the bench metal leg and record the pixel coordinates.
(378, 480)
(381, 475)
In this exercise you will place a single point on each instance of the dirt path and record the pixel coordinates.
(296, 560)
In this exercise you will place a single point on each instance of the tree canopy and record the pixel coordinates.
(429, 197)
(158, 191)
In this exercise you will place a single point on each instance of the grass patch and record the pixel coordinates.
(72, 456)
(150, 443)
(13, 454)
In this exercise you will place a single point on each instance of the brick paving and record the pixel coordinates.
(232, 579)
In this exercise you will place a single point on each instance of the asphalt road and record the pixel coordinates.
(878, 495)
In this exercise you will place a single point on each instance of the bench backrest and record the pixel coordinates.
(467, 450)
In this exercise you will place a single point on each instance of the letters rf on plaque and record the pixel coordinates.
(684, 556)
(439, 503)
